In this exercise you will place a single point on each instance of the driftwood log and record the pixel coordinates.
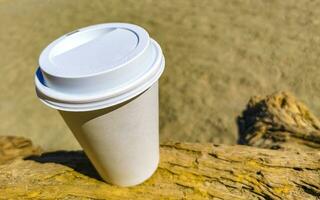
(284, 163)
(279, 121)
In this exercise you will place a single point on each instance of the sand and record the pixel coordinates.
(218, 54)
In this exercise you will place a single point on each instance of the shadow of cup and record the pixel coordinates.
(76, 160)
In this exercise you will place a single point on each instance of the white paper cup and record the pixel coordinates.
(103, 79)
(122, 140)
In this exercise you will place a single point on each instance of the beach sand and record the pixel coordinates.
(218, 54)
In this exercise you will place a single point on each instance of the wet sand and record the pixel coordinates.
(218, 54)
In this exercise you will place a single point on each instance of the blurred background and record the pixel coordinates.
(218, 54)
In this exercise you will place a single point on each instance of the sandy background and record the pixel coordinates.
(218, 54)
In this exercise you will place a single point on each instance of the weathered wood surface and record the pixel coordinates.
(279, 121)
(186, 171)
(16, 147)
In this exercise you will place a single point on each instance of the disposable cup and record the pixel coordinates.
(122, 140)
(103, 80)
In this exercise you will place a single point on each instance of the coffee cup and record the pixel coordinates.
(103, 80)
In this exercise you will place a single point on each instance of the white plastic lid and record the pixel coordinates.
(97, 67)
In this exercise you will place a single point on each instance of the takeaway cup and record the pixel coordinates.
(103, 80)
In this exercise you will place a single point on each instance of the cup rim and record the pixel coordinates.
(70, 102)
(137, 73)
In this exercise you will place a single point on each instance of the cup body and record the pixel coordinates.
(121, 141)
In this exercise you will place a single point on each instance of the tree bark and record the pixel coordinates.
(187, 170)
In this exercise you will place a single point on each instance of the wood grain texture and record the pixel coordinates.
(186, 171)
(286, 168)
(279, 121)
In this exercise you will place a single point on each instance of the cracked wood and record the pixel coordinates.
(187, 170)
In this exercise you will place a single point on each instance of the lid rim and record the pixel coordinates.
(103, 102)
(107, 100)
(84, 88)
